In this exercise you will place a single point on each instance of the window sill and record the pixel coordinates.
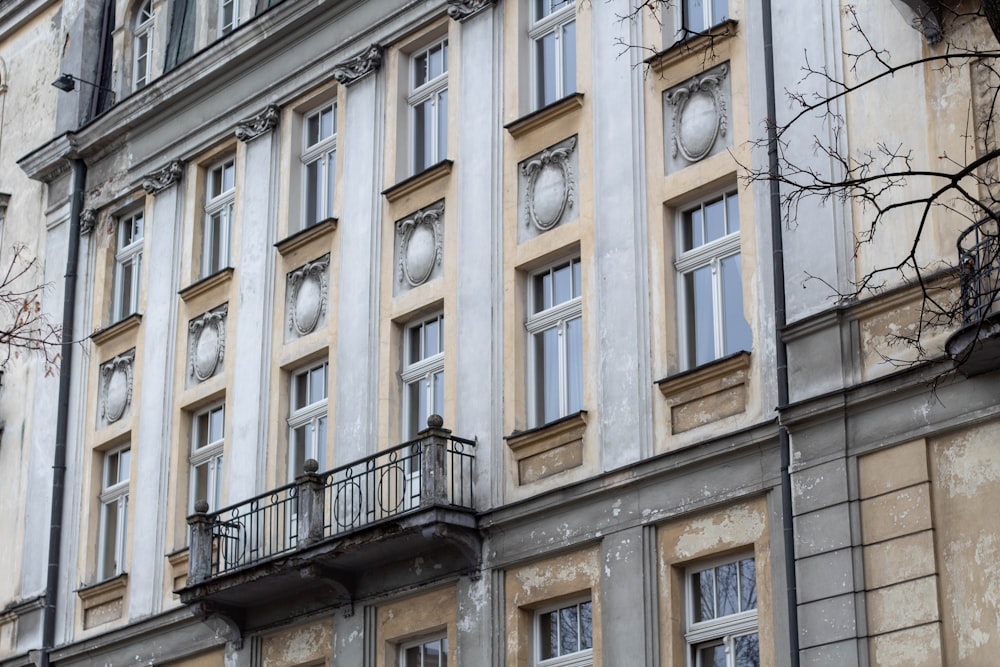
(419, 180)
(305, 236)
(103, 602)
(207, 284)
(707, 393)
(178, 567)
(701, 44)
(112, 331)
(548, 449)
(545, 115)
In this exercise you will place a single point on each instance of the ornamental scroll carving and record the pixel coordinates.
(420, 244)
(207, 343)
(259, 124)
(463, 9)
(700, 114)
(549, 185)
(88, 220)
(161, 179)
(116, 386)
(359, 66)
(308, 296)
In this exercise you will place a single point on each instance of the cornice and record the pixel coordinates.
(461, 10)
(305, 236)
(52, 159)
(417, 181)
(15, 14)
(545, 115)
(207, 284)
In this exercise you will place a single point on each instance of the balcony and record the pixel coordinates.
(975, 347)
(401, 517)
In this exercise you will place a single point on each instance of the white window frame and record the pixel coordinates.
(557, 316)
(429, 91)
(128, 256)
(142, 45)
(710, 254)
(441, 640)
(313, 414)
(113, 498)
(322, 152)
(722, 630)
(550, 22)
(708, 17)
(424, 367)
(580, 658)
(226, 27)
(221, 203)
(207, 452)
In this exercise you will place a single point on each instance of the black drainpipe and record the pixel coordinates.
(781, 353)
(62, 419)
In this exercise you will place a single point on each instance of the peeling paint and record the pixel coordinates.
(740, 524)
(965, 467)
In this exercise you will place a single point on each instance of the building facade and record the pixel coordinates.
(452, 332)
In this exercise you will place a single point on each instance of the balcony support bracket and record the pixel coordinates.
(231, 619)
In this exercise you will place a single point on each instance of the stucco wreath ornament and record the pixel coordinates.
(208, 343)
(307, 296)
(549, 186)
(116, 376)
(699, 116)
(420, 245)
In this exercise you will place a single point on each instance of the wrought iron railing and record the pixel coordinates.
(434, 470)
(979, 264)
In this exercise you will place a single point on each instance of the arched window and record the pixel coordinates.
(142, 45)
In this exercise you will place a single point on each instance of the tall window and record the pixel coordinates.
(219, 198)
(128, 266)
(142, 45)
(722, 615)
(700, 15)
(207, 442)
(307, 418)
(114, 513)
(428, 100)
(319, 164)
(553, 50)
(555, 343)
(423, 374)
(564, 635)
(711, 286)
(229, 16)
(427, 653)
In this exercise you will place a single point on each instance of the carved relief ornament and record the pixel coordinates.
(359, 66)
(207, 343)
(258, 124)
(463, 9)
(116, 385)
(308, 294)
(88, 220)
(549, 186)
(161, 179)
(420, 244)
(699, 115)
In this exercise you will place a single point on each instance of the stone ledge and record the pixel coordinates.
(119, 328)
(421, 179)
(103, 602)
(545, 115)
(305, 236)
(700, 46)
(708, 393)
(206, 285)
(549, 449)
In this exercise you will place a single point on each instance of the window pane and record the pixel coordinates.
(331, 178)
(727, 589)
(201, 475)
(438, 405)
(110, 470)
(320, 453)
(736, 330)
(720, 11)
(574, 365)
(215, 425)
(125, 304)
(431, 338)
(747, 651)
(748, 585)
(413, 656)
(216, 499)
(422, 122)
(694, 15)
(228, 176)
(569, 58)
(420, 70)
(312, 129)
(732, 214)
(545, 69)
(568, 630)
(313, 193)
(300, 437)
(110, 540)
(124, 463)
(548, 635)
(442, 127)
(326, 121)
(436, 64)
(704, 595)
(300, 391)
(201, 430)
(317, 384)
(563, 284)
(715, 221)
(543, 292)
(700, 325)
(692, 232)
(547, 374)
(432, 654)
(711, 656)
(586, 626)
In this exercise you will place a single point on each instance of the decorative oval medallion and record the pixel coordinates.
(308, 302)
(699, 125)
(551, 195)
(421, 250)
(206, 351)
(116, 393)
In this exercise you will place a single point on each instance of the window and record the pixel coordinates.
(142, 45)
(722, 615)
(555, 343)
(128, 266)
(700, 15)
(553, 50)
(319, 164)
(229, 16)
(431, 653)
(114, 513)
(711, 287)
(307, 418)
(207, 439)
(219, 197)
(564, 635)
(428, 101)
(423, 374)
